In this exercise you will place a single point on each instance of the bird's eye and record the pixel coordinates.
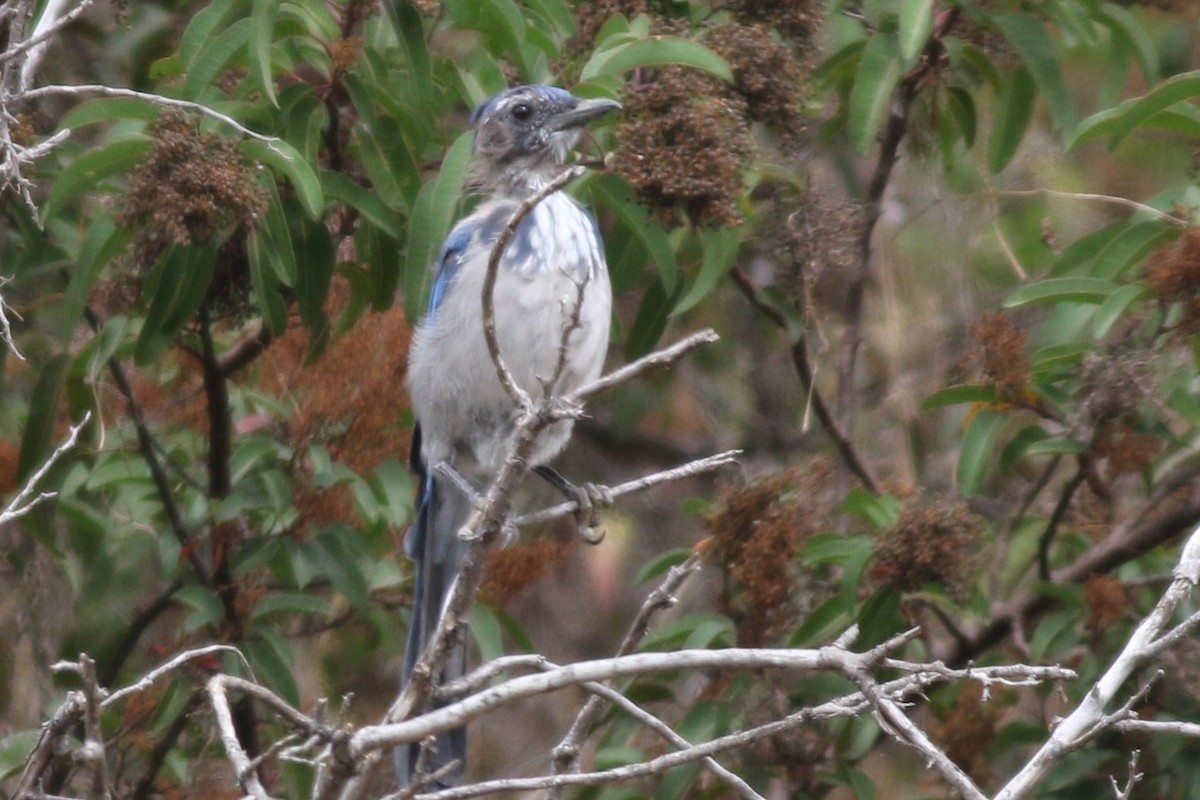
(522, 111)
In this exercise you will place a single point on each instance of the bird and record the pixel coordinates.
(551, 277)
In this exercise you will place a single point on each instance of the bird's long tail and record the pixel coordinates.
(436, 551)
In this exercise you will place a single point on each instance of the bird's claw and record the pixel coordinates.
(589, 499)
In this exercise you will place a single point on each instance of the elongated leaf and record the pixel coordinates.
(429, 223)
(340, 188)
(720, 251)
(618, 197)
(37, 440)
(108, 109)
(261, 253)
(262, 26)
(1122, 120)
(102, 242)
(916, 22)
(870, 97)
(1125, 26)
(291, 603)
(315, 257)
(185, 275)
(1036, 48)
(1055, 446)
(1130, 247)
(976, 452)
(653, 52)
(285, 159)
(650, 322)
(964, 393)
(1058, 290)
(212, 59)
(1012, 119)
(1115, 306)
(88, 171)
(202, 29)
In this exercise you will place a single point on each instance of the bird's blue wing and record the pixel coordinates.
(449, 260)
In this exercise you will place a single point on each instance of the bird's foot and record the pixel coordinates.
(589, 499)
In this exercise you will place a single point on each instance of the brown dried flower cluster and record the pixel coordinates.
(966, 728)
(1001, 349)
(510, 570)
(931, 543)
(1106, 602)
(685, 138)
(684, 143)
(795, 19)
(755, 538)
(590, 18)
(193, 189)
(765, 73)
(1173, 274)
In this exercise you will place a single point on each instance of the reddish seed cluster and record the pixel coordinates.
(1106, 602)
(1173, 274)
(755, 538)
(192, 189)
(965, 730)
(931, 543)
(1001, 349)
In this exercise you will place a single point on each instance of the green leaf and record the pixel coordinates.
(879, 510)
(87, 172)
(916, 22)
(720, 249)
(261, 253)
(211, 60)
(262, 21)
(37, 440)
(184, 275)
(102, 243)
(660, 564)
(271, 656)
(1035, 46)
(314, 272)
(342, 566)
(205, 606)
(291, 603)
(1129, 247)
(1115, 306)
(962, 107)
(1125, 26)
(976, 452)
(287, 161)
(396, 180)
(15, 750)
(487, 632)
(871, 96)
(618, 198)
(829, 619)
(429, 223)
(203, 28)
(1055, 446)
(879, 618)
(108, 109)
(963, 393)
(1121, 121)
(650, 322)
(341, 188)
(1012, 119)
(653, 52)
(1060, 290)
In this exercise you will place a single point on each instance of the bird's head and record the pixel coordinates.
(530, 129)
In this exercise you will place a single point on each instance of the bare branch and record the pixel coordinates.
(25, 500)
(6, 334)
(697, 467)
(247, 776)
(1083, 720)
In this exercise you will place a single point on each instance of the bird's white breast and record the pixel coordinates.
(555, 262)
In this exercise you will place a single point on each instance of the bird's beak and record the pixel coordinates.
(582, 113)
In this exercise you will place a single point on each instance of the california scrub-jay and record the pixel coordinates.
(465, 418)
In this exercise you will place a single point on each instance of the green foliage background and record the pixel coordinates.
(962, 364)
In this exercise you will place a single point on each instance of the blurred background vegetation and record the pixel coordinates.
(961, 363)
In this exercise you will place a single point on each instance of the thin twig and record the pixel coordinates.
(697, 467)
(25, 500)
(566, 753)
(1103, 198)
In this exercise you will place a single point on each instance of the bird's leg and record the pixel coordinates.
(589, 499)
(468, 531)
